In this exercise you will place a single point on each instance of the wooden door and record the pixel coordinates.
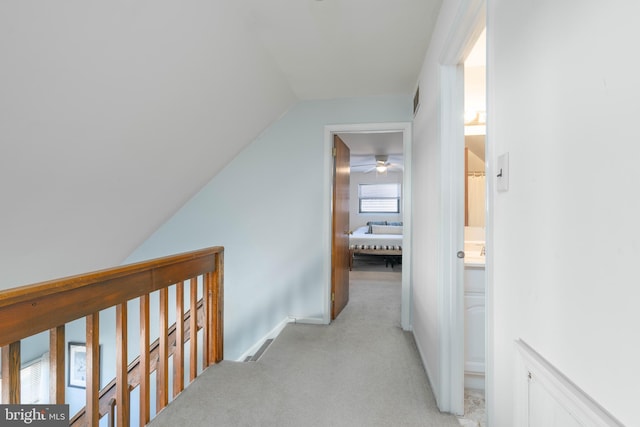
(340, 240)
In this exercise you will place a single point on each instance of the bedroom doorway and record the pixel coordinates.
(354, 132)
(375, 208)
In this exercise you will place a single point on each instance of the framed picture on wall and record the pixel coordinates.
(77, 365)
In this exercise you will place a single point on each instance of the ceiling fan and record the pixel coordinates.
(381, 165)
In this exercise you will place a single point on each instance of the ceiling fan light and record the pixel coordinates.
(381, 168)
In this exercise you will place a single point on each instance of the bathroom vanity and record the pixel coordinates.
(474, 304)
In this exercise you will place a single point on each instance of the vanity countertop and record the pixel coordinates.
(474, 262)
(474, 254)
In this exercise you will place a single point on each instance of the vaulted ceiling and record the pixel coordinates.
(114, 113)
(345, 48)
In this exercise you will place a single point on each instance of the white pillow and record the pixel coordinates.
(386, 229)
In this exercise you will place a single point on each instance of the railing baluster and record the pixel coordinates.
(178, 353)
(193, 331)
(162, 370)
(206, 326)
(211, 315)
(112, 419)
(145, 397)
(207, 296)
(122, 380)
(93, 368)
(11, 373)
(56, 365)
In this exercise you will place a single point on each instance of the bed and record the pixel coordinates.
(380, 239)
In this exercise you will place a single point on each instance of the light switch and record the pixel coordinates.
(502, 168)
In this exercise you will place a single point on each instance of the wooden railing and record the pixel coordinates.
(28, 310)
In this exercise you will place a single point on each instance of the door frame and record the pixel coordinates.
(467, 26)
(329, 131)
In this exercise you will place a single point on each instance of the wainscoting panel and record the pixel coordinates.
(547, 398)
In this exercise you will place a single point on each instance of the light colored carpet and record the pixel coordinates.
(362, 370)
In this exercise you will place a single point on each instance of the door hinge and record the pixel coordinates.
(333, 296)
(335, 151)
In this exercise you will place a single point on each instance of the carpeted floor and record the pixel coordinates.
(362, 370)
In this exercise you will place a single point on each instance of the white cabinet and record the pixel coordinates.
(474, 318)
(474, 333)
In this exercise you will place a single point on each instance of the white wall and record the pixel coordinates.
(357, 219)
(565, 240)
(266, 209)
(427, 203)
(566, 235)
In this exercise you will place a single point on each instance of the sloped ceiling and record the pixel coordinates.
(113, 114)
(345, 48)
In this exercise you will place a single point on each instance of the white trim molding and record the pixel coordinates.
(307, 320)
(451, 276)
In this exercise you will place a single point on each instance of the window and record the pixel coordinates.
(379, 198)
(34, 381)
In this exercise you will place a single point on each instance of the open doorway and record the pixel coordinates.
(375, 209)
(468, 26)
(353, 134)
(474, 276)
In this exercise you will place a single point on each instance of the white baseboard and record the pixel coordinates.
(474, 380)
(307, 320)
(270, 335)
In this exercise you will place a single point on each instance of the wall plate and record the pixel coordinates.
(503, 172)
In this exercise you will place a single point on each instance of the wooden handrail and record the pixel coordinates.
(28, 310)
